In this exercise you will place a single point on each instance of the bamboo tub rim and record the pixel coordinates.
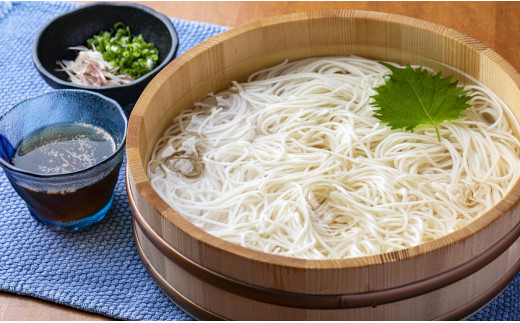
(137, 171)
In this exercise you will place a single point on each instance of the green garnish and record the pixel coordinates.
(131, 54)
(413, 97)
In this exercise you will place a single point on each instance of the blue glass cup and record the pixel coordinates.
(64, 201)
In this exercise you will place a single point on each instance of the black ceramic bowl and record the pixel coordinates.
(75, 27)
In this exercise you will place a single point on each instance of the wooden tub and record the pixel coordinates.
(448, 278)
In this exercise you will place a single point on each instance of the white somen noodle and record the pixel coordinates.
(293, 162)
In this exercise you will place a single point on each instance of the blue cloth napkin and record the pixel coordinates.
(99, 269)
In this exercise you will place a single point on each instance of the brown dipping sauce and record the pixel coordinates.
(61, 149)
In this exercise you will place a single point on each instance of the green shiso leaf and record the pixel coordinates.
(412, 97)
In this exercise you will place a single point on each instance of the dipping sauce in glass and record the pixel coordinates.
(62, 152)
(63, 148)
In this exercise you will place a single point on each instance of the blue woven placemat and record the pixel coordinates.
(98, 269)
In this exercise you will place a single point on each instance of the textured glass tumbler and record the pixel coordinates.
(69, 201)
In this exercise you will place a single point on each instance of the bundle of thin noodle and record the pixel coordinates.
(294, 163)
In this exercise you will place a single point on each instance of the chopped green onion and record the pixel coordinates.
(131, 54)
